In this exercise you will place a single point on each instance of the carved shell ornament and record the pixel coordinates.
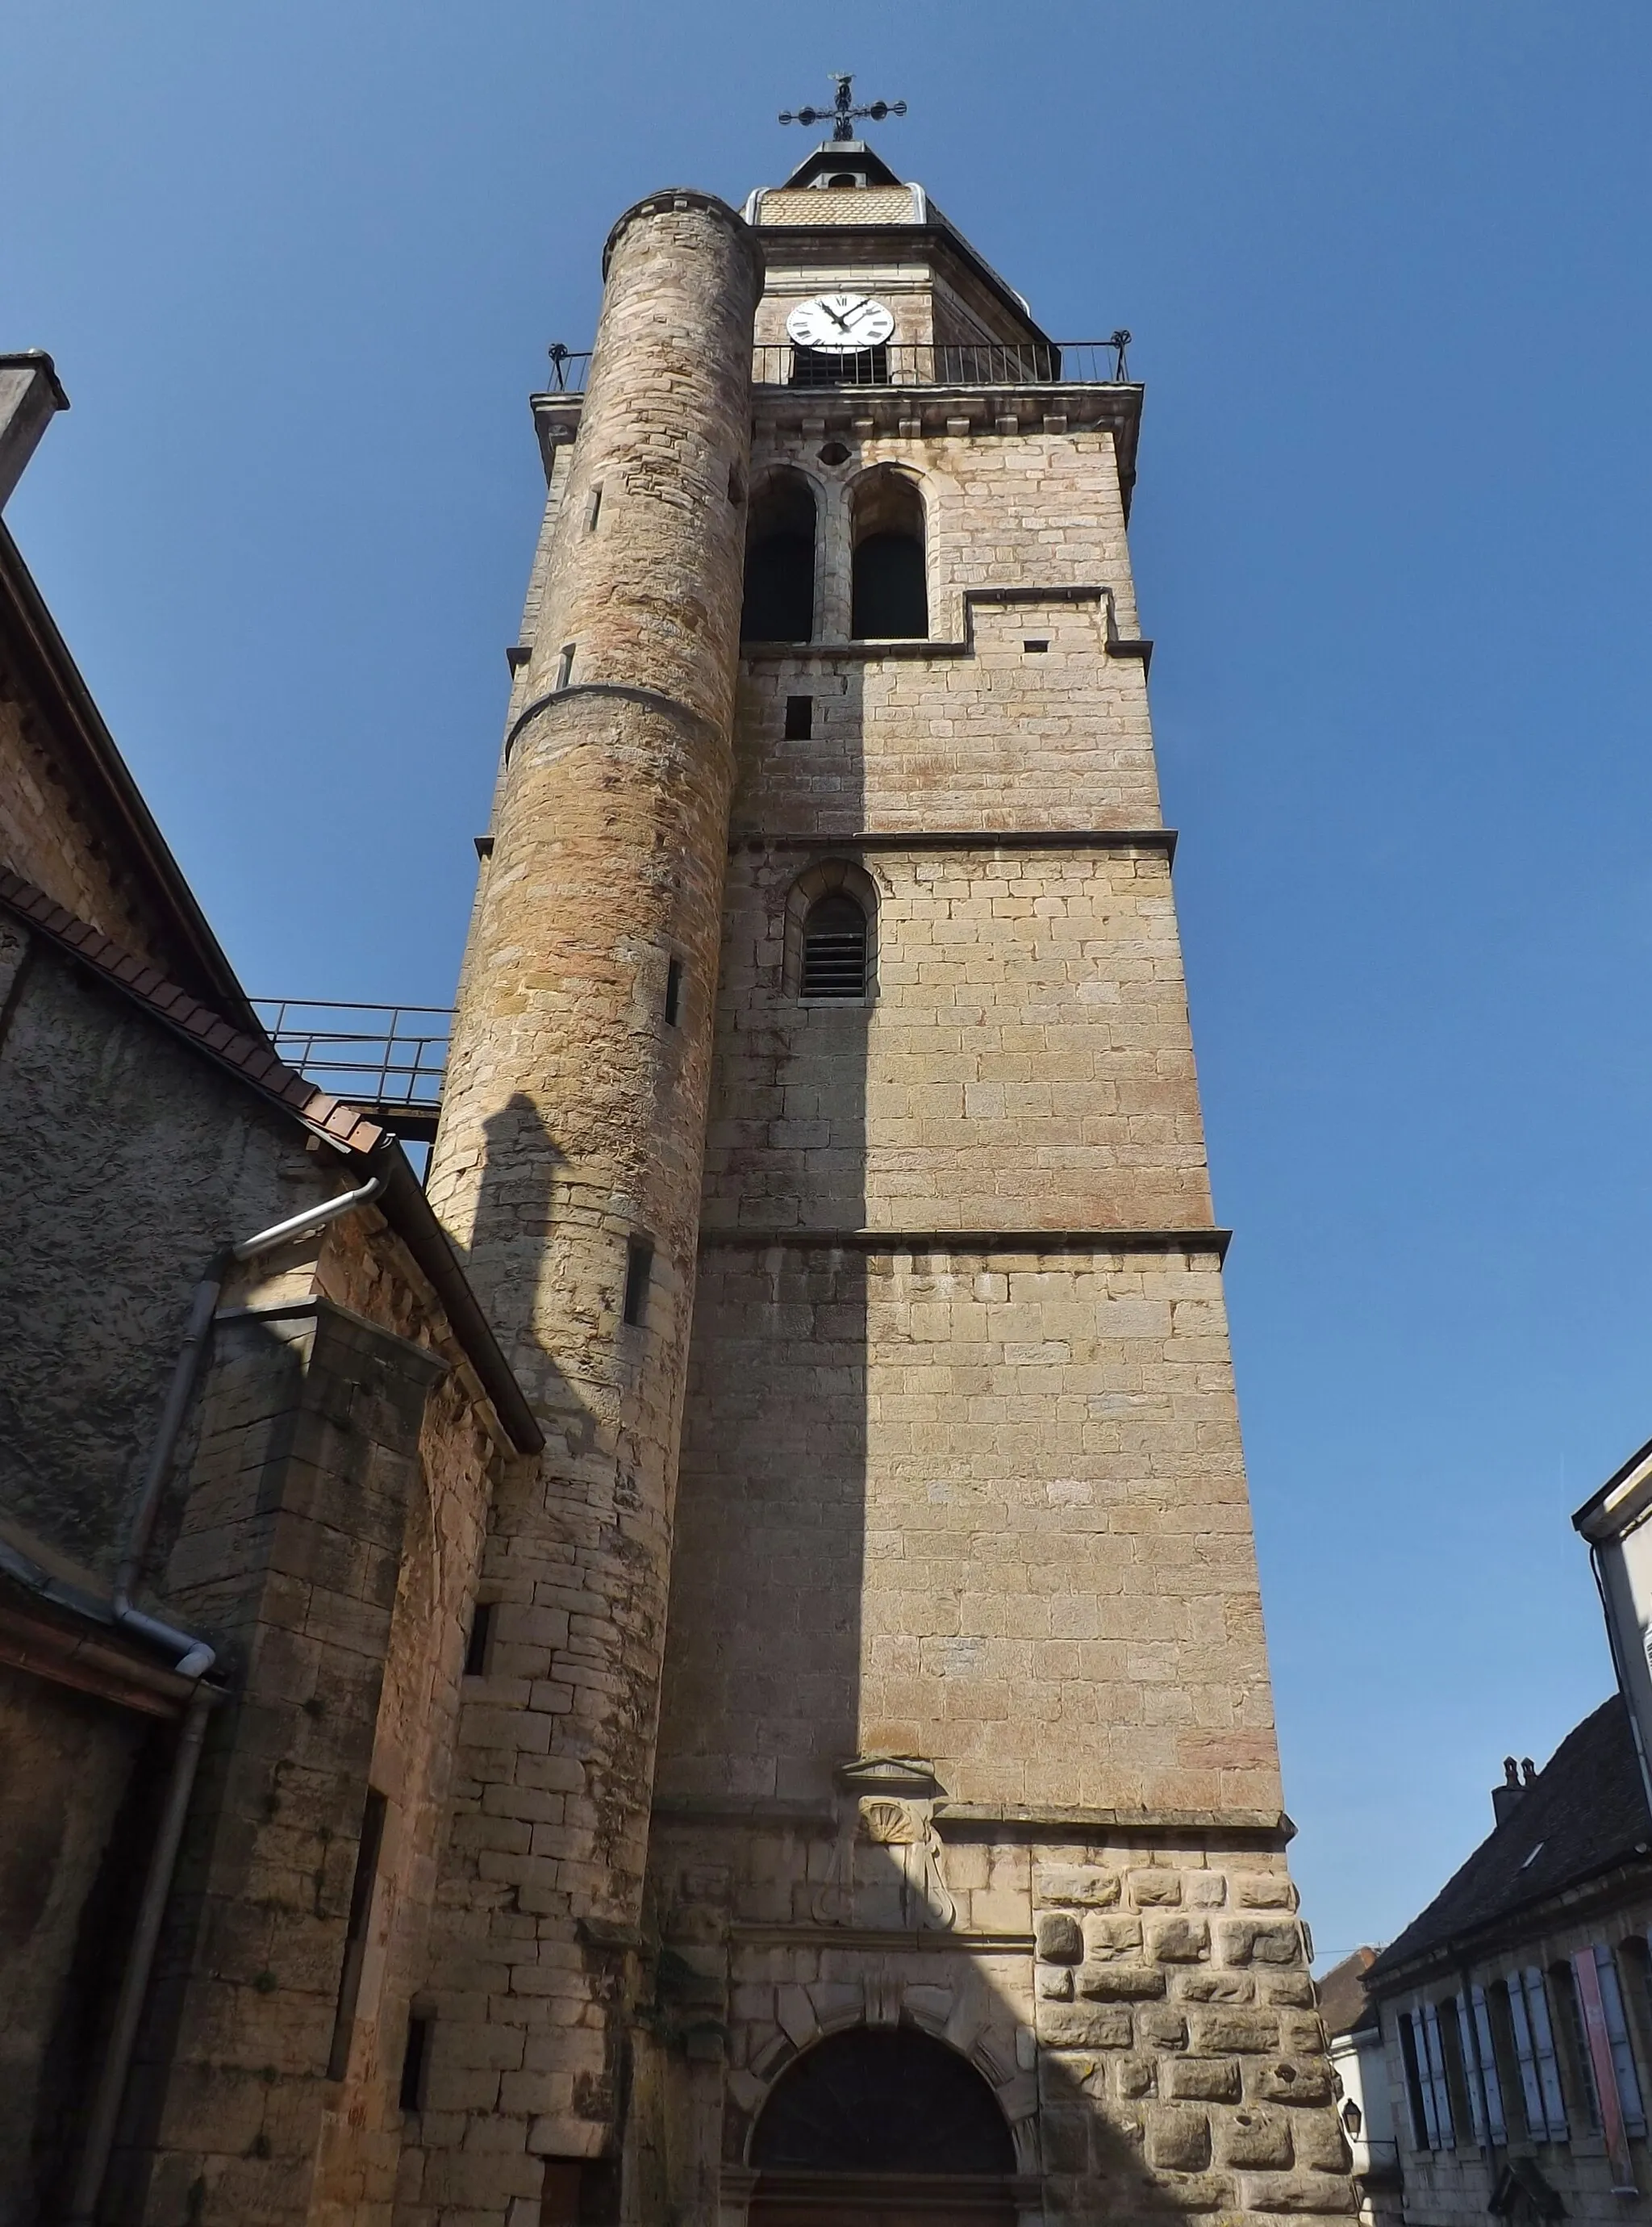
(889, 1824)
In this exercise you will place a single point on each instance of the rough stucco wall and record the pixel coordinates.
(126, 1162)
(66, 1764)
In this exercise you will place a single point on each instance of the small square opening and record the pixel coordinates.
(1035, 648)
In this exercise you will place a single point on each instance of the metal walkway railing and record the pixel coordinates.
(905, 363)
(389, 1060)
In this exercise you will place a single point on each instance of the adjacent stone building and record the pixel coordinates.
(251, 1419)
(723, 1636)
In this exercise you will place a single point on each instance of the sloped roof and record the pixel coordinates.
(1583, 1813)
(1343, 2003)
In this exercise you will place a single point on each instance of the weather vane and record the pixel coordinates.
(842, 114)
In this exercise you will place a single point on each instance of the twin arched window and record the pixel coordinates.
(888, 594)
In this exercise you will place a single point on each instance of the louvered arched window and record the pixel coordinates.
(834, 948)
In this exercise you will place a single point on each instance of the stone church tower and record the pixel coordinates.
(868, 1801)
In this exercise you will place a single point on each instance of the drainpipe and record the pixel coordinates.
(195, 1659)
(140, 1956)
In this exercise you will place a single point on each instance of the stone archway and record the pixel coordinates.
(881, 2127)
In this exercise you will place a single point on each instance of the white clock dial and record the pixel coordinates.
(840, 321)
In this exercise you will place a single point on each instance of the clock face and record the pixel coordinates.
(840, 321)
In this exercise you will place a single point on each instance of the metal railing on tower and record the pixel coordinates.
(389, 1060)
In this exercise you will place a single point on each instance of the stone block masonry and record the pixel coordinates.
(967, 1724)
(568, 1168)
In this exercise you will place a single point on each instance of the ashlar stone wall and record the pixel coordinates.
(967, 1722)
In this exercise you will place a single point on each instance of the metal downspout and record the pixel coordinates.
(140, 1956)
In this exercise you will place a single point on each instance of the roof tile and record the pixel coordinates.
(1583, 1813)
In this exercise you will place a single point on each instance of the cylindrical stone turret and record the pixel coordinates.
(568, 1164)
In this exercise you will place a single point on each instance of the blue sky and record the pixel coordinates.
(1386, 265)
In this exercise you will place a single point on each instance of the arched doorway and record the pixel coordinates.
(882, 2128)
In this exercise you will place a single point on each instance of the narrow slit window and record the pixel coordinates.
(799, 718)
(673, 993)
(639, 1268)
(368, 1850)
(411, 2095)
(596, 510)
(565, 666)
(1035, 648)
(834, 949)
(482, 1632)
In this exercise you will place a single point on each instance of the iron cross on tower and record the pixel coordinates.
(842, 112)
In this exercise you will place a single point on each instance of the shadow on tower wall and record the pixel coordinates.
(762, 1685)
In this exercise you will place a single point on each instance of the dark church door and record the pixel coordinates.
(882, 2128)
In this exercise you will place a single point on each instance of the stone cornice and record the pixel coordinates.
(965, 839)
(974, 1240)
(1119, 644)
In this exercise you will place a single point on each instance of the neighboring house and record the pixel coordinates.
(1361, 2082)
(1515, 2015)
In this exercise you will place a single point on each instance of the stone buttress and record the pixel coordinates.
(568, 1169)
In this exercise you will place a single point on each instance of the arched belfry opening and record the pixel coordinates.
(779, 603)
(877, 2126)
(889, 596)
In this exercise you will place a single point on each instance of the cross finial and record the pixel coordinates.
(842, 113)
